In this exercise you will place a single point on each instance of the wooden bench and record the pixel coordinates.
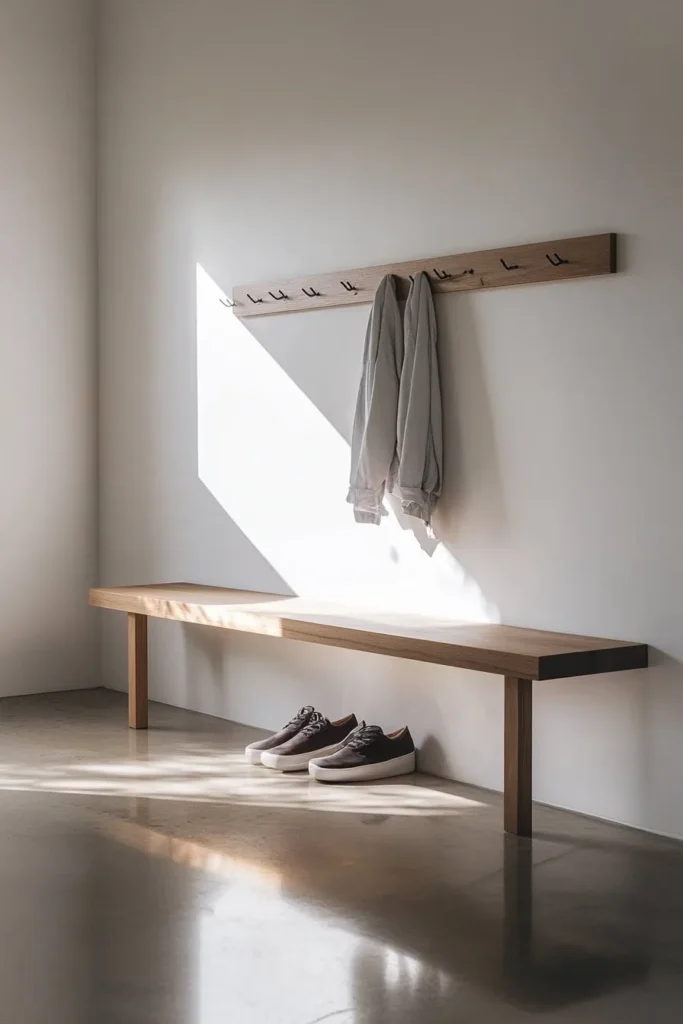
(520, 655)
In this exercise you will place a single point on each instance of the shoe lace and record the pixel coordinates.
(363, 735)
(302, 714)
(316, 723)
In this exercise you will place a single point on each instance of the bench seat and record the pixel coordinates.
(520, 655)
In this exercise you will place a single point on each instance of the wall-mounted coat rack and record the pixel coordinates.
(560, 260)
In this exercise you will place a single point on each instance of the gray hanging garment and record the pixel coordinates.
(373, 444)
(419, 428)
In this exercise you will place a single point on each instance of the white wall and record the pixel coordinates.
(47, 345)
(268, 139)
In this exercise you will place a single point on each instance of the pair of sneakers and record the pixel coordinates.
(342, 751)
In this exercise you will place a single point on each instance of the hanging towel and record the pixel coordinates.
(419, 428)
(373, 444)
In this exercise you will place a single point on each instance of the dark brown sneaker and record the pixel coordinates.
(318, 738)
(367, 754)
(295, 725)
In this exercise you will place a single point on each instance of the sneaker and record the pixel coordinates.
(318, 738)
(367, 754)
(295, 725)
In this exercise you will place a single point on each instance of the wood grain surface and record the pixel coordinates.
(137, 671)
(505, 650)
(587, 256)
(517, 756)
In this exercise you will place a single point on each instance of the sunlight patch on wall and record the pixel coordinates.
(280, 470)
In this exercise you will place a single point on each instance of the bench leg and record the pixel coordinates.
(517, 792)
(137, 671)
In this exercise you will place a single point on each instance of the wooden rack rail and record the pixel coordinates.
(561, 260)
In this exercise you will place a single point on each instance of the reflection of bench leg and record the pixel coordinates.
(518, 919)
(517, 792)
(137, 671)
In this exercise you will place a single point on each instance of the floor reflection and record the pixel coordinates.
(399, 956)
(126, 906)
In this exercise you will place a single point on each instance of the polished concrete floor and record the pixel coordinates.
(155, 878)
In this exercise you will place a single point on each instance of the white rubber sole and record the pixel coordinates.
(403, 765)
(295, 762)
(253, 756)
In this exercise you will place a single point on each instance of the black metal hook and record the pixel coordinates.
(443, 275)
(253, 299)
(557, 262)
(512, 266)
(312, 294)
(280, 296)
(228, 303)
(348, 286)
